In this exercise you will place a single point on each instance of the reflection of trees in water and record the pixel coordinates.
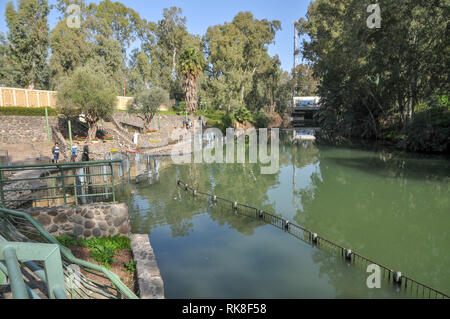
(163, 203)
(393, 210)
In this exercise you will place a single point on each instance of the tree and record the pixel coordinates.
(139, 71)
(371, 80)
(6, 70)
(164, 43)
(191, 62)
(304, 82)
(147, 102)
(70, 49)
(237, 52)
(87, 93)
(28, 39)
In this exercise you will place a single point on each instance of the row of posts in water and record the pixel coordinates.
(397, 277)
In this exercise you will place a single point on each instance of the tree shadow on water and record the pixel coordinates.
(396, 167)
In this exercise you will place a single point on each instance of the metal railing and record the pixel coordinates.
(90, 281)
(64, 183)
(407, 283)
(52, 274)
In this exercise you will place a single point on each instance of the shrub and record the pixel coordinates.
(429, 131)
(102, 249)
(27, 111)
(243, 115)
(261, 120)
(104, 254)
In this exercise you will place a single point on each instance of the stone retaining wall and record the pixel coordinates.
(88, 221)
(24, 129)
(151, 285)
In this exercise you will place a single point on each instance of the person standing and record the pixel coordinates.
(85, 156)
(55, 152)
(74, 153)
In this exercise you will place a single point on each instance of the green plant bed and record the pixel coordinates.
(102, 249)
(26, 111)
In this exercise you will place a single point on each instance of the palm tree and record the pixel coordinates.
(191, 67)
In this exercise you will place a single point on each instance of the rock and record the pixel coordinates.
(61, 218)
(103, 226)
(120, 220)
(78, 230)
(97, 233)
(53, 211)
(44, 220)
(53, 228)
(89, 215)
(87, 233)
(124, 229)
(77, 219)
(68, 227)
(89, 224)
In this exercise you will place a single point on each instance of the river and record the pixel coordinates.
(389, 206)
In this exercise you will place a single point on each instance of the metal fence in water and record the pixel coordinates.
(408, 284)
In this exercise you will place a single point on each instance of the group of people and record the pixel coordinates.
(187, 124)
(84, 158)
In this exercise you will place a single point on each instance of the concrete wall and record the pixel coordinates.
(88, 221)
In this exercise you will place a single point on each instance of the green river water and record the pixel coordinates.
(391, 207)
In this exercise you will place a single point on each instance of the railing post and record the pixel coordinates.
(70, 135)
(2, 194)
(75, 187)
(112, 182)
(18, 287)
(48, 126)
(63, 186)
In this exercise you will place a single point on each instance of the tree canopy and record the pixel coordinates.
(147, 102)
(87, 92)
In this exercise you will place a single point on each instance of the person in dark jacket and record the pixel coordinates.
(85, 156)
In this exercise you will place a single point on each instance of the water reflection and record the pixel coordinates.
(387, 206)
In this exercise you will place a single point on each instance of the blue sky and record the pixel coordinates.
(201, 14)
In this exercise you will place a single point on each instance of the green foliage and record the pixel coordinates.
(260, 120)
(429, 131)
(147, 103)
(104, 254)
(243, 115)
(27, 111)
(28, 42)
(240, 63)
(102, 249)
(367, 84)
(89, 92)
(68, 241)
(180, 107)
(131, 266)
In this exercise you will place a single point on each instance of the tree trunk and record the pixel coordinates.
(147, 121)
(92, 131)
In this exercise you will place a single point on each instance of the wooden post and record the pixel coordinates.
(26, 97)
(1, 97)
(38, 99)
(14, 96)
(48, 98)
